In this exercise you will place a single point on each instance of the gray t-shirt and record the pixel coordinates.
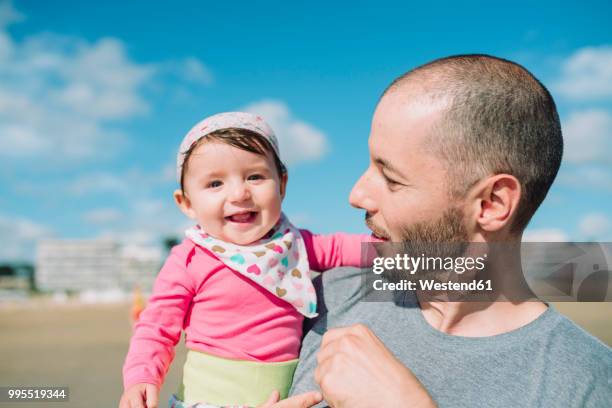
(550, 362)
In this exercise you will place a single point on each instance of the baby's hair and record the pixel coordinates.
(243, 139)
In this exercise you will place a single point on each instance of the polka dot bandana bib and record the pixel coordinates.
(278, 263)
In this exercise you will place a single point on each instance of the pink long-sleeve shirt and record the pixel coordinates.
(222, 312)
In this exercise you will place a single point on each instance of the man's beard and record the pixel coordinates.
(445, 237)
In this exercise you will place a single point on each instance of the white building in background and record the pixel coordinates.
(99, 265)
(139, 266)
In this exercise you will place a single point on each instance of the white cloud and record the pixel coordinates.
(588, 136)
(595, 226)
(587, 74)
(101, 216)
(185, 72)
(545, 235)
(148, 222)
(298, 140)
(301, 218)
(63, 99)
(591, 177)
(102, 82)
(9, 15)
(59, 98)
(168, 173)
(95, 183)
(142, 220)
(19, 236)
(193, 70)
(133, 182)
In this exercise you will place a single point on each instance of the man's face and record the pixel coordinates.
(404, 190)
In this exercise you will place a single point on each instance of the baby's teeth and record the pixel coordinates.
(241, 217)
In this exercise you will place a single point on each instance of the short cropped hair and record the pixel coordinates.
(499, 119)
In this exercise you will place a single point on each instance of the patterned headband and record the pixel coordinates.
(240, 120)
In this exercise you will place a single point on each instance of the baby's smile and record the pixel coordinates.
(243, 217)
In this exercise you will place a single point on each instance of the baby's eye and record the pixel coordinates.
(214, 184)
(255, 177)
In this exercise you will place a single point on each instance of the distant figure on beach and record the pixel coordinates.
(138, 304)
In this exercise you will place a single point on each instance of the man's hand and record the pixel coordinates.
(357, 370)
(140, 396)
(305, 400)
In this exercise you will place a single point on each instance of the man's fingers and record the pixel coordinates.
(321, 372)
(151, 393)
(331, 349)
(342, 340)
(330, 344)
(337, 333)
(318, 373)
(332, 335)
(305, 400)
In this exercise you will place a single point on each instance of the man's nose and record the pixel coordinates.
(361, 194)
(239, 192)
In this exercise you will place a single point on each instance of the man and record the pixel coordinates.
(463, 149)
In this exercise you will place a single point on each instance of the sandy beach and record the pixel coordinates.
(82, 346)
(79, 346)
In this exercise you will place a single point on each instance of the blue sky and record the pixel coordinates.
(94, 101)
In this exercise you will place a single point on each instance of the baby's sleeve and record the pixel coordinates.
(159, 326)
(329, 251)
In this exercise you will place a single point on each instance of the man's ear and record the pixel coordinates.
(183, 203)
(283, 185)
(494, 201)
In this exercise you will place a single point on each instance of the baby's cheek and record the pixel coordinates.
(277, 204)
(272, 196)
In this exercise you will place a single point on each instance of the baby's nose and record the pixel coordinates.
(239, 192)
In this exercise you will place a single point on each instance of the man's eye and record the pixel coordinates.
(390, 182)
(255, 177)
(214, 184)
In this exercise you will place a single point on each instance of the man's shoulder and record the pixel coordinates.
(342, 275)
(578, 350)
(339, 287)
(343, 282)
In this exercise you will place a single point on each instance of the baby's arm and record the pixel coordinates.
(159, 327)
(339, 249)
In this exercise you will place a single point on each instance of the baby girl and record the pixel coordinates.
(239, 283)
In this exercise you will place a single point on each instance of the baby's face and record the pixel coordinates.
(234, 195)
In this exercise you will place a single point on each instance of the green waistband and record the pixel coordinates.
(221, 381)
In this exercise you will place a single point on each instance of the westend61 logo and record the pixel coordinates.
(552, 272)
